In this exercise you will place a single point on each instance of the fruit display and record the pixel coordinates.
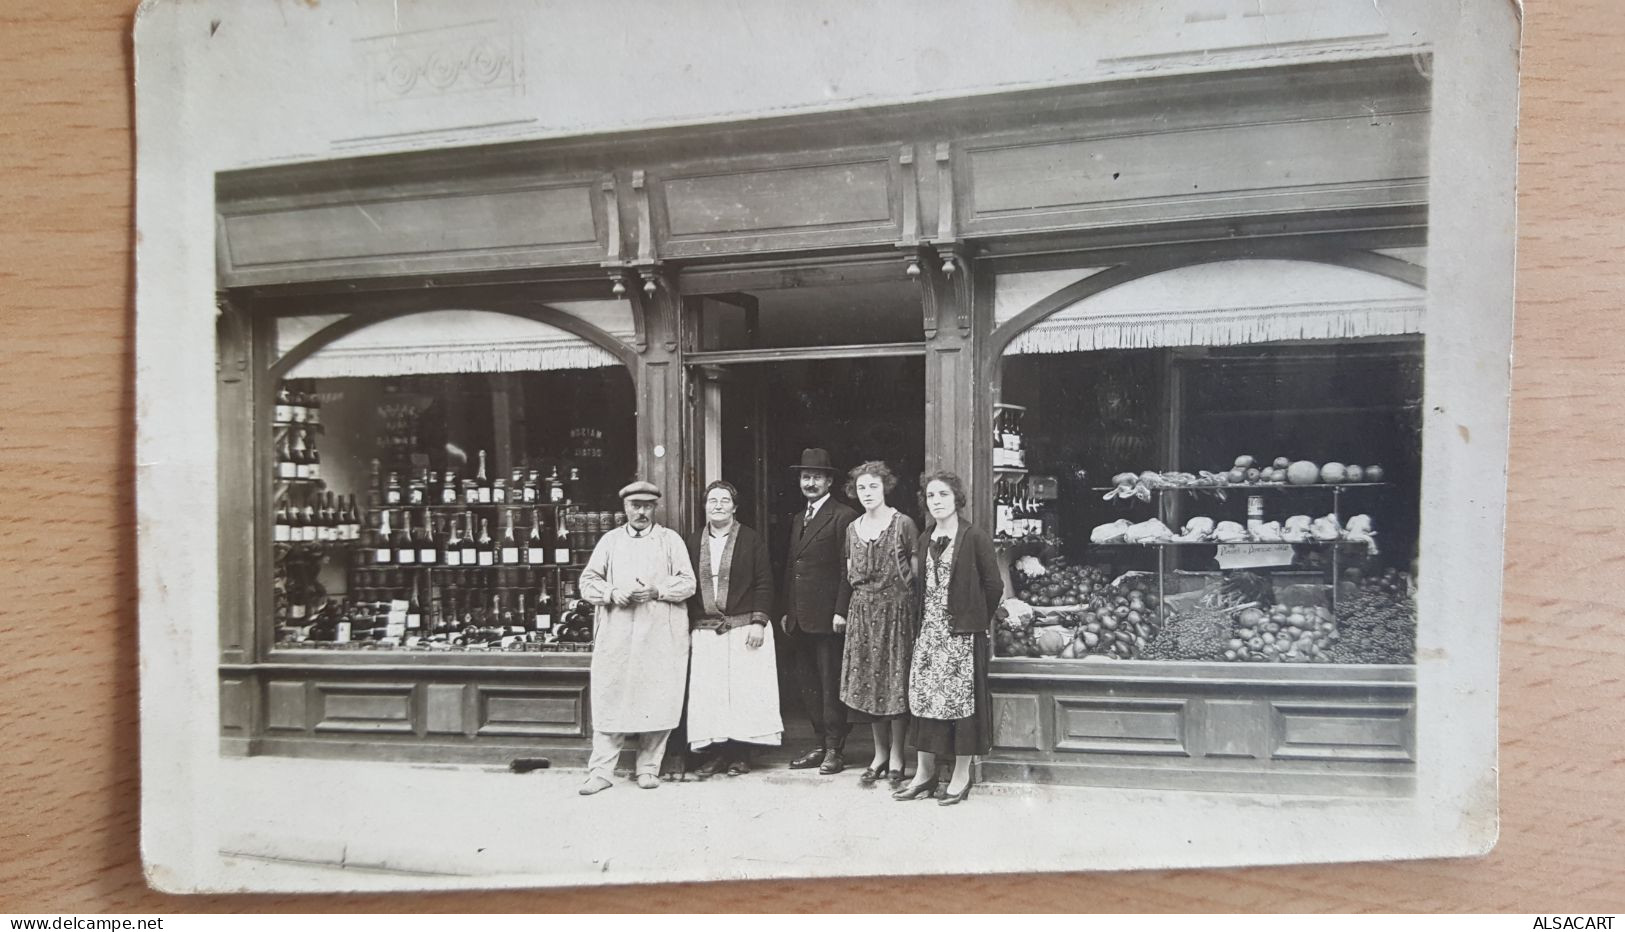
(1376, 616)
(1280, 471)
(1075, 612)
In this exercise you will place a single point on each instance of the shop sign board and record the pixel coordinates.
(1247, 556)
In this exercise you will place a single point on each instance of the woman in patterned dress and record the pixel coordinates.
(880, 620)
(947, 689)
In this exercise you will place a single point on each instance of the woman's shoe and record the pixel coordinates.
(915, 792)
(872, 774)
(711, 767)
(739, 768)
(956, 798)
(897, 778)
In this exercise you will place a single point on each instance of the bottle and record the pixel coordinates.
(543, 619)
(510, 546)
(313, 405)
(354, 522)
(283, 532)
(510, 624)
(520, 618)
(448, 491)
(284, 404)
(535, 545)
(296, 404)
(417, 490)
(516, 486)
(555, 487)
(423, 539)
(313, 458)
(414, 610)
(561, 545)
(330, 519)
(392, 491)
(406, 553)
(573, 488)
(532, 484)
(284, 457)
(310, 525)
(467, 551)
(483, 482)
(296, 456)
(485, 549)
(451, 553)
(381, 552)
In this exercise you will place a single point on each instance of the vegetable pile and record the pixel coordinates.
(1377, 619)
(1074, 611)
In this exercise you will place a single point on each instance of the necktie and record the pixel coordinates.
(808, 519)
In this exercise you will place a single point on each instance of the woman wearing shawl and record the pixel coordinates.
(733, 684)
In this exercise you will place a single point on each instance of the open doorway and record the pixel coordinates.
(857, 409)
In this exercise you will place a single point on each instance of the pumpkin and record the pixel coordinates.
(1303, 472)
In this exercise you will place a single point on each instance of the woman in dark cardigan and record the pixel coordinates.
(958, 577)
(733, 680)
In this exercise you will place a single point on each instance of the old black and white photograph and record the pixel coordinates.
(639, 442)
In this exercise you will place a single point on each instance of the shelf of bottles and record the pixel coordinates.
(433, 561)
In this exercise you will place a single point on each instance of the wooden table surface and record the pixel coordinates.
(68, 711)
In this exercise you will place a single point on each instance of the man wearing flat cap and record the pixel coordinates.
(815, 593)
(639, 576)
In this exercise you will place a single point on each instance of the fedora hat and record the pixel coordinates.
(815, 458)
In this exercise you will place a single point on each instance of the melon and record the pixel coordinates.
(1373, 474)
(1333, 472)
(1303, 472)
(1051, 639)
(1355, 474)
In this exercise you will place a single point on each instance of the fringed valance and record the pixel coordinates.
(450, 342)
(1231, 303)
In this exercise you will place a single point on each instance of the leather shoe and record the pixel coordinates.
(832, 763)
(810, 759)
(711, 767)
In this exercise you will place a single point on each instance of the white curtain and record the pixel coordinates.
(454, 341)
(1229, 303)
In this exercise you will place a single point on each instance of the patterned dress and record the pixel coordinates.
(942, 684)
(879, 621)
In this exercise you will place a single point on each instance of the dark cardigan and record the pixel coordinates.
(974, 588)
(750, 576)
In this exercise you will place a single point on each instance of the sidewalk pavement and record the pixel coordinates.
(346, 825)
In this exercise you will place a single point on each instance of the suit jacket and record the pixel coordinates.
(975, 587)
(815, 585)
(750, 575)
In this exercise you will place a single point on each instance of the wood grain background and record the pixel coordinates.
(68, 709)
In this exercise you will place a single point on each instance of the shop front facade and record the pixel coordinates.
(1041, 291)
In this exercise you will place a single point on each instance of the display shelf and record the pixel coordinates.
(1216, 543)
(1251, 486)
(312, 426)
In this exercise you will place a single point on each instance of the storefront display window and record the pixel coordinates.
(1250, 498)
(438, 480)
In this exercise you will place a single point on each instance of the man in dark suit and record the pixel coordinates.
(815, 594)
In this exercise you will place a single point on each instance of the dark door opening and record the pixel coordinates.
(760, 416)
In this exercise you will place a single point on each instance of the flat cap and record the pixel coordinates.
(640, 490)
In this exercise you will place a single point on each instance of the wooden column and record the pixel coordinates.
(661, 392)
(952, 411)
(234, 366)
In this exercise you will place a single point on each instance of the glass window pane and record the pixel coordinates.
(421, 505)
